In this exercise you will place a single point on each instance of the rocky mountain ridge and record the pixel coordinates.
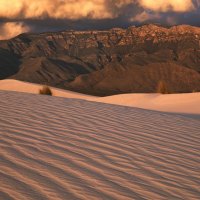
(83, 60)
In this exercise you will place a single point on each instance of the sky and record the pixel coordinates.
(19, 16)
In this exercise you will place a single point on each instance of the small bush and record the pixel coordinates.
(162, 88)
(45, 91)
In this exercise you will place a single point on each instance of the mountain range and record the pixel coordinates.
(107, 62)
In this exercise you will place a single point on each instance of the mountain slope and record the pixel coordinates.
(60, 59)
(121, 78)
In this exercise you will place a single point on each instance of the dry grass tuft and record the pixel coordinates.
(46, 90)
(162, 88)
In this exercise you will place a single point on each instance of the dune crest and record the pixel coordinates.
(175, 103)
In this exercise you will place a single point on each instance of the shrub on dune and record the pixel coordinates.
(162, 88)
(46, 90)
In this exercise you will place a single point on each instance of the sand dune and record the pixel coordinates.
(20, 86)
(176, 103)
(56, 148)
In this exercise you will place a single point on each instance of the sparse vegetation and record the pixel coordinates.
(162, 88)
(46, 90)
(195, 91)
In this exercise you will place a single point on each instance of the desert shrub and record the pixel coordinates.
(46, 90)
(162, 88)
(195, 91)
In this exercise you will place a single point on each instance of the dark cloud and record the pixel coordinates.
(55, 15)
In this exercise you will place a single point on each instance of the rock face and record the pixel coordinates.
(107, 62)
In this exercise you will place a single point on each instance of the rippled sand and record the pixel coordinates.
(57, 148)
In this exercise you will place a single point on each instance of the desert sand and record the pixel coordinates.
(61, 148)
(20, 86)
(175, 103)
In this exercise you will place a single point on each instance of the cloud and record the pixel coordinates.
(145, 16)
(77, 9)
(70, 9)
(11, 29)
(53, 15)
(26, 12)
(168, 5)
(92, 9)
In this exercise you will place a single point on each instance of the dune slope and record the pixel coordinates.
(175, 103)
(20, 86)
(56, 148)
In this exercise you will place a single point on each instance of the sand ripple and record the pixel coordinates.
(56, 148)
